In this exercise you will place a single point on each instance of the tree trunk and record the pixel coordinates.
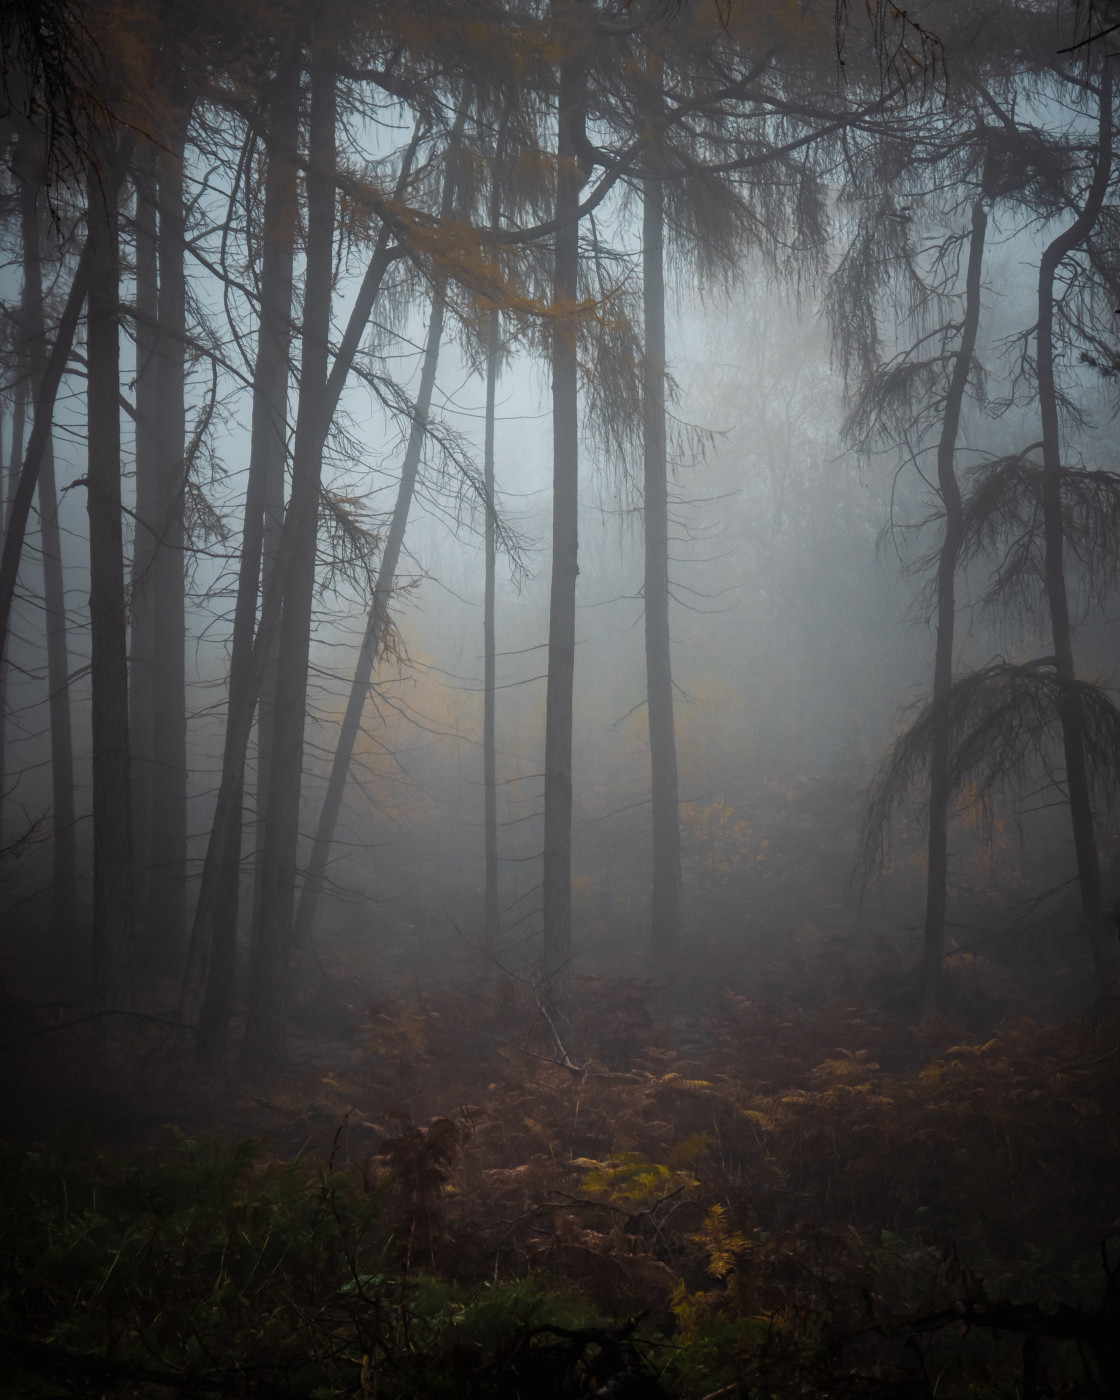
(272, 934)
(375, 630)
(165, 936)
(264, 505)
(112, 853)
(665, 890)
(54, 596)
(20, 507)
(222, 861)
(490, 914)
(145, 528)
(386, 576)
(19, 422)
(557, 862)
(1072, 722)
(948, 488)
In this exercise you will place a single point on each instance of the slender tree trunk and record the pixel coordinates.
(489, 668)
(145, 527)
(383, 588)
(112, 853)
(948, 488)
(222, 861)
(54, 596)
(165, 936)
(15, 451)
(272, 934)
(20, 508)
(19, 415)
(264, 505)
(375, 630)
(665, 891)
(1072, 721)
(557, 863)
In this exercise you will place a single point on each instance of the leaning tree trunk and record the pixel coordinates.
(167, 878)
(20, 507)
(54, 595)
(948, 488)
(665, 888)
(371, 640)
(112, 852)
(222, 861)
(557, 856)
(383, 588)
(264, 502)
(1072, 720)
(272, 934)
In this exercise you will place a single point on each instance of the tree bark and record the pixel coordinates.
(20, 508)
(145, 528)
(375, 630)
(1072, 723)
(272, 935)
(221, 864)
(54, 595)
(165, 935)
(570, 178)
(665, 889)
(112, 852)
(15, 456)
(491, 911)
(948, 488)
(263, 519)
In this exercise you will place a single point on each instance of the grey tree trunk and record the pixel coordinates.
(165, 936)
(948, 488)
(557, 860)
(371, 640)
(491, 911)
(19, 422)
(145, 528)
(222, 861)
(665, 888)
(54, 597)
(1072, 722)
(383, 588)
(20, 507)
(272, 934)
(264, 504)
(112, 850)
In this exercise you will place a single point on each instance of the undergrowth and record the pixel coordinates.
(784, 1202)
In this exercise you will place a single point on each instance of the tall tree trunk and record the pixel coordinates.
(222, 861)
(272, 935)
(383, 588)
(490, 912)
(371, 640)
(112, 853)
(20, 507)
(570, 178)
(1072, 721)
(264, 505)
(15, 450)
(19, 417)
(54, 595)
(665, 890)
(948, 488)
(145, 527)
(164, 937)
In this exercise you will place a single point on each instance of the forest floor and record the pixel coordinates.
(444, 1193)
